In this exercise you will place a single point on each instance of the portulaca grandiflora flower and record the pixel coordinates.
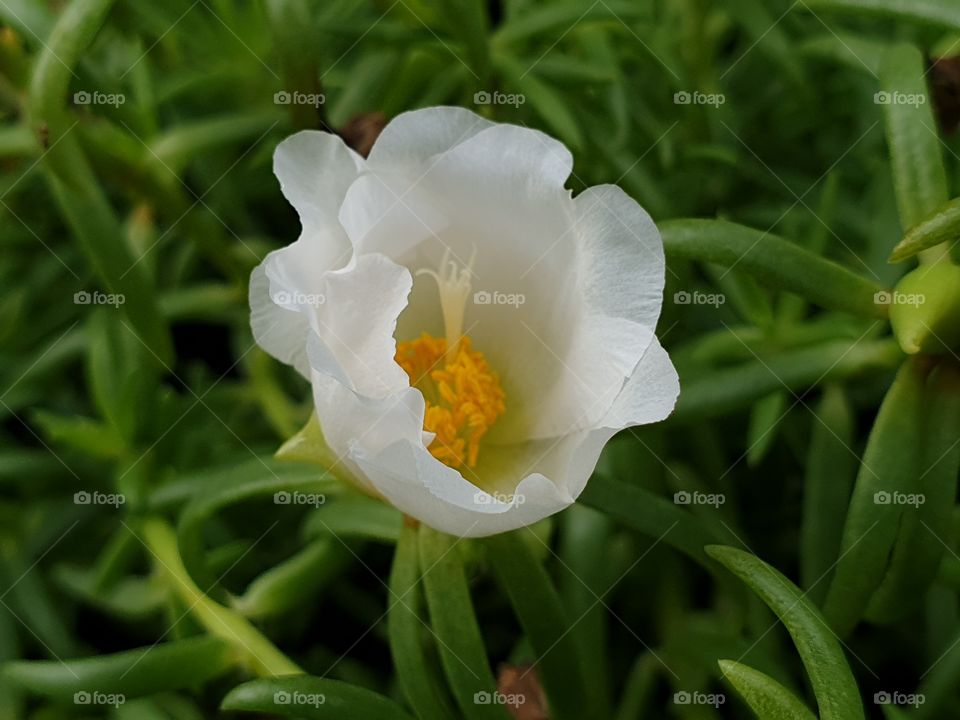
(472, 332)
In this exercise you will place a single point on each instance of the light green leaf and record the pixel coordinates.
(311, 698)
(766, 697)
(941, 227)
(945, 13)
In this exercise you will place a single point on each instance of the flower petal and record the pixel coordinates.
(414, 137)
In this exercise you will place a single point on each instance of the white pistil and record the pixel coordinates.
(453, 284)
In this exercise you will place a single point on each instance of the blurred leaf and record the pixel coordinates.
(774, 261)
(311, 697)
(133, 673)
(545, 623)
(941, 227)
(765, 418)
(938, 12)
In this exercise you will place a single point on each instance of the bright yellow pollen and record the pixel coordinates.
(463, 395)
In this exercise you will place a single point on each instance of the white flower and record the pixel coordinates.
(525, 316)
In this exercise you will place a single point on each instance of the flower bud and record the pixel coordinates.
(925, 310)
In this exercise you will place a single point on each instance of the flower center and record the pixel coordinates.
(463, 395)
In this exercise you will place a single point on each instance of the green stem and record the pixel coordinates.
(262, 656)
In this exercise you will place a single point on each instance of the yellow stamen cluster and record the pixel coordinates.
(463, 395)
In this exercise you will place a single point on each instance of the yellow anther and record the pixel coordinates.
(463, 395)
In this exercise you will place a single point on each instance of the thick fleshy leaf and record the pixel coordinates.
(766, 697)
(311, 698)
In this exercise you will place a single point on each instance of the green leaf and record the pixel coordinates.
(774, 261)
(649, 514)
(454, 623)
(544, 621)
(766, 697)
(941, 227)
(833, 684)
(916, 556)
(889, 466)
(83, 434)
(945, 13)
(133, 673)
(765, 418)
(356, 517)
(919, 177)
(311, 698)
(722, 391)
(294, 582)
(261, 486)
(831, 467)
(417, 675)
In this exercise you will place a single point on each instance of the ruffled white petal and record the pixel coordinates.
(414, 137)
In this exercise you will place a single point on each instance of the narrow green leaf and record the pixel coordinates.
(133, 673)
(919, 177)
(649, 514)
(945, 13)
(766, 697)
(79, 433)
(729, 389)
(406, 630)
(833, 683)
(775, 261)
(941, 227)
(888, 471)
(311, 698)
(544, 622)
(831, 467)
(452, 618)
(919, 549)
